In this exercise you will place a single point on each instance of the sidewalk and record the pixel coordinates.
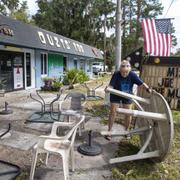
(18, 147)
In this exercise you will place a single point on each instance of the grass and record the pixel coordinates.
(146, 169)
(176, 116)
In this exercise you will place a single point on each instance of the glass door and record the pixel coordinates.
(29, 68)
(6, 70)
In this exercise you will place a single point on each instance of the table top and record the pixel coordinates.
(163, 130)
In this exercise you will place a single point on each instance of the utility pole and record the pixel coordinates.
(118, 34)
(105, 21)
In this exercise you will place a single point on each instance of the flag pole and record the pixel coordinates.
(167, 18)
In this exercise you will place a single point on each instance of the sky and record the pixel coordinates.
(173, 12)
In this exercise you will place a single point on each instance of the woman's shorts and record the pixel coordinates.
(118, 99)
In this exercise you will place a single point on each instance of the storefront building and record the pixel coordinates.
(29, 53)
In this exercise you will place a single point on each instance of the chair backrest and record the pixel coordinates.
(76, 100)
(72, 133)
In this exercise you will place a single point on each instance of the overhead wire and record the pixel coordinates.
(169, 8)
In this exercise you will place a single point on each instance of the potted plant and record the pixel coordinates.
(47, 83)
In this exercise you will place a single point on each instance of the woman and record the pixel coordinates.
(123, 80)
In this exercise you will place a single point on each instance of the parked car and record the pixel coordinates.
(98, 67)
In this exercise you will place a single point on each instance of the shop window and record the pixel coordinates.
(18, 61)
(43, 64)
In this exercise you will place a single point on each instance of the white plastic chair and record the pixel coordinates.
(63, 146)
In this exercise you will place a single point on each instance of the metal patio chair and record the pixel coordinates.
(91, 92)
(76, 102)
(73, 103)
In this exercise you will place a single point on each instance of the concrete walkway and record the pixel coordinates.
(22, 140)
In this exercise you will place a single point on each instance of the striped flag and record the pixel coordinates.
(157, 36)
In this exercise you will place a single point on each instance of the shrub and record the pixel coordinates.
(82, 77)
(70, 77)
(56, 85)
(74, 76)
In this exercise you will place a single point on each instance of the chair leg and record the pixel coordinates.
(47, 156)
(72, 158)
(79, 128)
(33, 166)
(68, 118)
(83, 125)
(65, 158)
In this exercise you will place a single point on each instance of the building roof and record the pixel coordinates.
(13, 32)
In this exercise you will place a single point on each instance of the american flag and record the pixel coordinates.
(157, 36)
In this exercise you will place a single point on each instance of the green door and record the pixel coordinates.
(55, 65)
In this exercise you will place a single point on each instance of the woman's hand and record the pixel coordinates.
(149, 90)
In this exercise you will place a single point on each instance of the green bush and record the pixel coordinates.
(82, 77)
(74, 76)
(56, 85)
